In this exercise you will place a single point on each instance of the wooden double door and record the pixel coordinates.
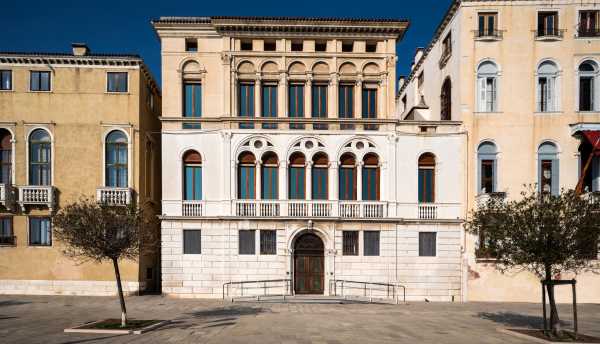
(309, 265)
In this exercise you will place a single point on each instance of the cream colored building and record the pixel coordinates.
(523, 78)
(72, 125)
(283, 159)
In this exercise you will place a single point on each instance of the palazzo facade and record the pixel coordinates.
(283, 158)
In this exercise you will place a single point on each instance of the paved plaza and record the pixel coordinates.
(41, 319)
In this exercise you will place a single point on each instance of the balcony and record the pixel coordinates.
(192, 208)
(114, 196)
(549, 34)
(488, 35)
(8, 240)
(583, 32)
(36, 195)
(316, 208)
(7, 196)
(484, 198)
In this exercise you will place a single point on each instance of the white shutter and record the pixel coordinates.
(481, 91)
(494, 94)
(551, 101)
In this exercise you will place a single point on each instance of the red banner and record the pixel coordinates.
(593, 137)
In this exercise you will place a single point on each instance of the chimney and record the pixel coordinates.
(80, 49)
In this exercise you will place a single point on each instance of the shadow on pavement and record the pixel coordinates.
(13, 303)
(88, 340)
(217, 317)
(515, 319)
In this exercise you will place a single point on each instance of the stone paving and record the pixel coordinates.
(41, 319)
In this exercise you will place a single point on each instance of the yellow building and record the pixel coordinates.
(523, 78)
(73, 125)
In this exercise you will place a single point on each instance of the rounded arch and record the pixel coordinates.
(548, 147)
(6, 139)
(320, 68)
(245, 67)
(371, 159)
(40, 135)
(488, 67)
(298, 232)
(269, 158)
(370, 68)
(588, 66)
(269, 66)
(117, 136)
(348, 159)
(189, 62)
(112, 130)
(296, 67)
(254, 144)
(46, 130)
(358, 145)
(305, 144)
(191, 66)
(191, 156)
(246, 158)
(347, 68)
(320, 159)
(487, 147)
(427, 159)
(446, 100)
(297, 159)
(548, 66)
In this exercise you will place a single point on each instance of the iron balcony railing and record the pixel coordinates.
(258, 288)
(588, 31)
(369, 290)
(489, 34)
(552, 33)
(9, 240)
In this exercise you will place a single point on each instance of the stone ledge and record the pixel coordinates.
(67, 287)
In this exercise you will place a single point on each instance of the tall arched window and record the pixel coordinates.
(297, 176)
(486, 174)
(547, 87)
(246, 176)
(192, 176)
(5, 157)
(347, 178)
(548, 168)
(427, 178)
(370, 177)
(40, 158)
(588, 87)
(116, 159)
(446, 101)
(320, 178)
(487, 85)
(269, 178)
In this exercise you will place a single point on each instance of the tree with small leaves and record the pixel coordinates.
(546, 234)
(97, 232)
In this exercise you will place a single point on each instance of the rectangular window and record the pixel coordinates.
(546, 94)
(319, 104)
(246, 181)
(371, 243)
(350, 243)
(427, 244)
(191, 45)
(39, 81)
(296, 182)
(371, 47)
(426, 185)
(370, 183)
(487, 94)
(347, 47)
(297, 46)
(6, 231)
(421, 79)
(546, 176)
(320, 46)
(192, 103)
(269, 182)
(116, 81)
(246, 103)
(589, 23)
(319, 183)
(268, 242)
(487, 176)
(347, 184)
(446, 47)
(192, 241)
(6, 161)
(40, 231)
(586, 93)
(296, 104)
(270, 46)
(5, 80)
(246, 45)
(346, 104)
(247, 242)
(487, 25)
(193, 182)
(369, 104)
(269, 103)
(548, 24)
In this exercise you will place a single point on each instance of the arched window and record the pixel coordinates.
(5, 157)
(192, 176)
(370, 177)
(588, 87)
(297, 176)
(246, 176)
(269, 178)
(486, 174)
(487, 85)
(320, 178)
(427, 178)
(347, 178)
(547, 87)
(446, 101)
(548, 168)
(40, 158)
(116, 159)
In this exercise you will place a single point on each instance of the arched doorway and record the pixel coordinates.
(309, 256)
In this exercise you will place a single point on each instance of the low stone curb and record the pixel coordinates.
(79, 329)
(531, 338)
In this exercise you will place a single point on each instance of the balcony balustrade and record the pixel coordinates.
(114, 196)
(36, 195)
(7, 196)
(192, 208)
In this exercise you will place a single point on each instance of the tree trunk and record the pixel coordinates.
(554, 320)
(121, 298)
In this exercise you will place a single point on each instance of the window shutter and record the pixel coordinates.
(539, 173)
(192, 242)
(481, 94)
(494, 94)
(555, 177)
(495, 176)
(551, 101)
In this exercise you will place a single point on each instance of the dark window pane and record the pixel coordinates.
(427, 244)
(371, 243)
(246, 242)
(487, 176)
(117, 81)
(191, 45)
(192, 242)
(586, 95)
(5, 80)
(350, 243)
(6, 231)
(40, 231)
(192, 100)
(268, 242)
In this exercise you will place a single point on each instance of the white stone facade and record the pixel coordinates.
(67, 287)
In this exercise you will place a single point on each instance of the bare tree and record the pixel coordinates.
(542, 233)
(96, 232)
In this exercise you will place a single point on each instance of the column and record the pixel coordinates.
(257, 93)
(228, 166)
(359, 167)
(308, 98)
(282, 96)
(333, 187)
(258, 186)
(383, 111)
(308, 180)
(332, 98)
(358, 99)
(282, 180)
